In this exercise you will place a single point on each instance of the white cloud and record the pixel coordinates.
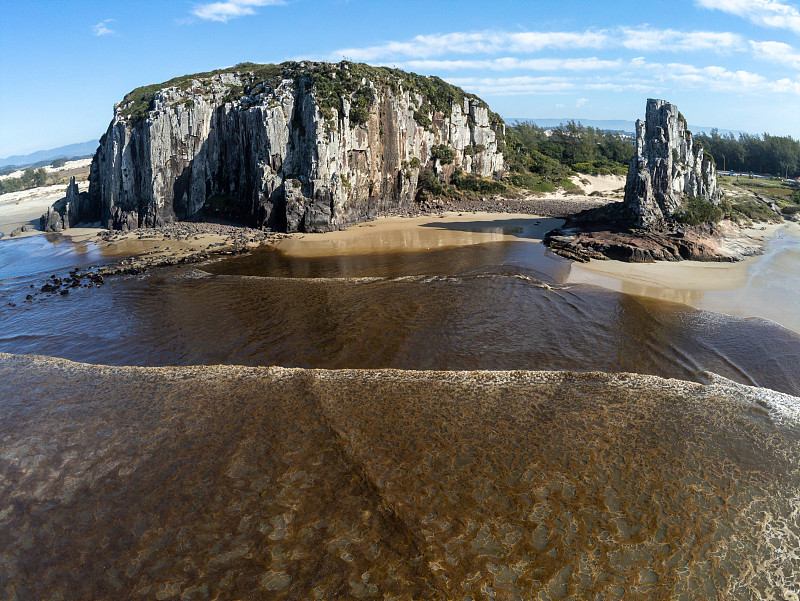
(511, 86)
(660, 40)
(479, 55)
(230, 9)
(580, 102)
(102, 28)
(767, 13)
(777, 52)
(641, 77)
(515, 64)
(495, 42)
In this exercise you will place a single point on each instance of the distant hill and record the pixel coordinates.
(611, 125)
(71, 150)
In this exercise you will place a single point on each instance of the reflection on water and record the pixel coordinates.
(422, 233)
(484, 306)
(44, 254)
(228, 483)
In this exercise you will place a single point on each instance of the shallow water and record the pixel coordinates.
(772, 289)
(233, 483)
(496, 305)
(35, 255)
(245, 483)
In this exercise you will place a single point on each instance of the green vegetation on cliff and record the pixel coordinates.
(695, 211)
(331, 82)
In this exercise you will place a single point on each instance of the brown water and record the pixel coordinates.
(236, 483)
(497, 305)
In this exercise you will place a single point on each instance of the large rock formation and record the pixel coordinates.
(668, 167)
(292, 147)
(76, 206)
(669, 174)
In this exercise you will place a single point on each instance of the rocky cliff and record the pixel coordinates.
(668, 167)
(293, 147)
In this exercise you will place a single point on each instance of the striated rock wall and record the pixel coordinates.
(668, 167)
(314, 148)
(76, 206)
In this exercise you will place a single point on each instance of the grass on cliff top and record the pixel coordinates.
(332, 82)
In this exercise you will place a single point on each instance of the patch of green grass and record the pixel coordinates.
(472, 183)
(532, 182)
(751, 209)
(695, 211)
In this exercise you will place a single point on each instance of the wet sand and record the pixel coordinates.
(395, 234)
(231, 482)
(708, 285)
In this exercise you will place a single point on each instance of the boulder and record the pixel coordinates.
(51, 221)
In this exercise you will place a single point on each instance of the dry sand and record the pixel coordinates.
(605, 184)
(26, 206)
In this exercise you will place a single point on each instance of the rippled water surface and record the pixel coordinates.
(495, 305)
(240, 483)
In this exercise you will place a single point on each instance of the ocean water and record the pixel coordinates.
(230, 482)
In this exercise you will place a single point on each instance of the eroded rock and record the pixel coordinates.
(311, 147)
(668, 167)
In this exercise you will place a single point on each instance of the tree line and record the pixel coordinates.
(30, 178)
(770, 155)
(580, 148)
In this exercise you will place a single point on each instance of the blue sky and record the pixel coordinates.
(734, 64)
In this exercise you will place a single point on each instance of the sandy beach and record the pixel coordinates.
(729, 288)
(26, 206)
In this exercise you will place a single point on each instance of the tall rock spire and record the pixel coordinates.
(668, 167)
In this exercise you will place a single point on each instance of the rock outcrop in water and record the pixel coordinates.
(293, 147)
(669, 212)
(668, 167)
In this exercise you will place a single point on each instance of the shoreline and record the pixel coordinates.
(712, 286)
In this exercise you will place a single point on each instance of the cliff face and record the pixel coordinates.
(667, 167)
(294, 147)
